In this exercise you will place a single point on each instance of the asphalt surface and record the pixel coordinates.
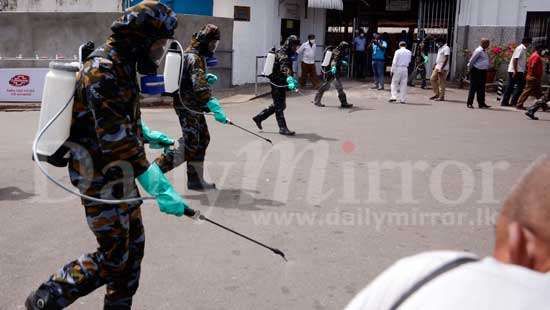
(337, 198)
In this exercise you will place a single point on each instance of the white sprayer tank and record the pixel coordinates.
(269, 63)
(59, 88)
(172, 71)
(327, 59)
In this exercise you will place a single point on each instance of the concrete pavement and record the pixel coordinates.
(354, 191)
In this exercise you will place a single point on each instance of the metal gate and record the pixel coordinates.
(437, 18)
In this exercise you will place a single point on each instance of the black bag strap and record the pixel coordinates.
(434, 274)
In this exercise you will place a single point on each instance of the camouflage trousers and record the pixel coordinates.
(116, 263)
(191, 146)
(325, 86)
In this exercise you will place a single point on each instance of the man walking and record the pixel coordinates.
(307, 50)
(479, 64)
(379, 47)
(419, 64)
(441, 69)
(516, 74)
(535, 70)
(332, 75)
(360, 48)
(400, 73)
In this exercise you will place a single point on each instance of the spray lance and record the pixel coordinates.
(173, 72)
(54, 130)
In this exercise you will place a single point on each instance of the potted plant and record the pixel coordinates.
(497, 56)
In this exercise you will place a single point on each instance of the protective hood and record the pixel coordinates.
(138, 28)
(291, 42)
(205, 41)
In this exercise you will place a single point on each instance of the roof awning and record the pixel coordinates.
(326, 4)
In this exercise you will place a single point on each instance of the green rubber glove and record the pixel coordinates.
(211, 78)
(345, 63)
(292, 83)
(333, 70)
(156, 139)
(216, 108)
(157, 185)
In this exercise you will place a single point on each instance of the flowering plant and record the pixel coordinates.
(498, 55)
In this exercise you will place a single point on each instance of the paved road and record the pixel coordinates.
(351, 193)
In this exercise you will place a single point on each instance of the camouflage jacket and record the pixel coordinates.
(282, 67)
(106, 114)
(194, 88)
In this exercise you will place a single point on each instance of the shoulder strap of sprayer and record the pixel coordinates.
(430, 277)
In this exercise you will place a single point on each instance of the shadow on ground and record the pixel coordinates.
(234, 199)
(13, 194)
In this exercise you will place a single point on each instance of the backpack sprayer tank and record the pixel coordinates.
(327, 59)
(269, 63)
(172, 69)
(59, 89)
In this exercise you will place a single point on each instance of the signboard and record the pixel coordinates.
(398, 5)
(22, 84)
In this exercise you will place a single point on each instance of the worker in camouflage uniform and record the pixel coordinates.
(281, 79)
(332, 75)
(194, 99)
(419, 64)
(106, 156)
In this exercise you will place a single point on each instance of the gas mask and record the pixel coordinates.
(148, 64)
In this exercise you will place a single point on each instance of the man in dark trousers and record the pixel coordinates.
(332, 75)
(516, 74)
(107, 154)
(194, 99)
(281, 79)
(479, 64)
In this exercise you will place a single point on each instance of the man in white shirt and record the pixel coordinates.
(400, 73)
(307, 50)
(441, 69)
(515, 277)
(516, 74)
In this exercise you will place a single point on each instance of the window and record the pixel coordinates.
(242, 13)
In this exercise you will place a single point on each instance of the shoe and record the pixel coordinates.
(319, 104)
(434, 97)
(484, 106)
(520, 107)
(470, 106)
(402, 102)
(374, 87)
(195, 179)
(439, 99)
(258, 122)
(286, 132)
(531, 116)
(40, 299)
(346, 106)
(392, 100)
(381, 88)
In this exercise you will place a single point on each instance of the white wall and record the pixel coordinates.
(257, 37)
(538, 6)
(223, 8)
(510, 13)
(69, 6)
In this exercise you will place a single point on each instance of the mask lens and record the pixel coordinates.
(158, 50)
(213, 46)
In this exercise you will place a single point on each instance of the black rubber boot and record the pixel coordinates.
(344, 102)
(531, 115)
(283, 129)
(258, 119)
(40, 299)
(195, 180)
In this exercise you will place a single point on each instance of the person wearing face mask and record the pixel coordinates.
(307, 50)
(337, 65)
(281, 79)
(107, 154)
(440, 70)
(194, 98)
(360, 51)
